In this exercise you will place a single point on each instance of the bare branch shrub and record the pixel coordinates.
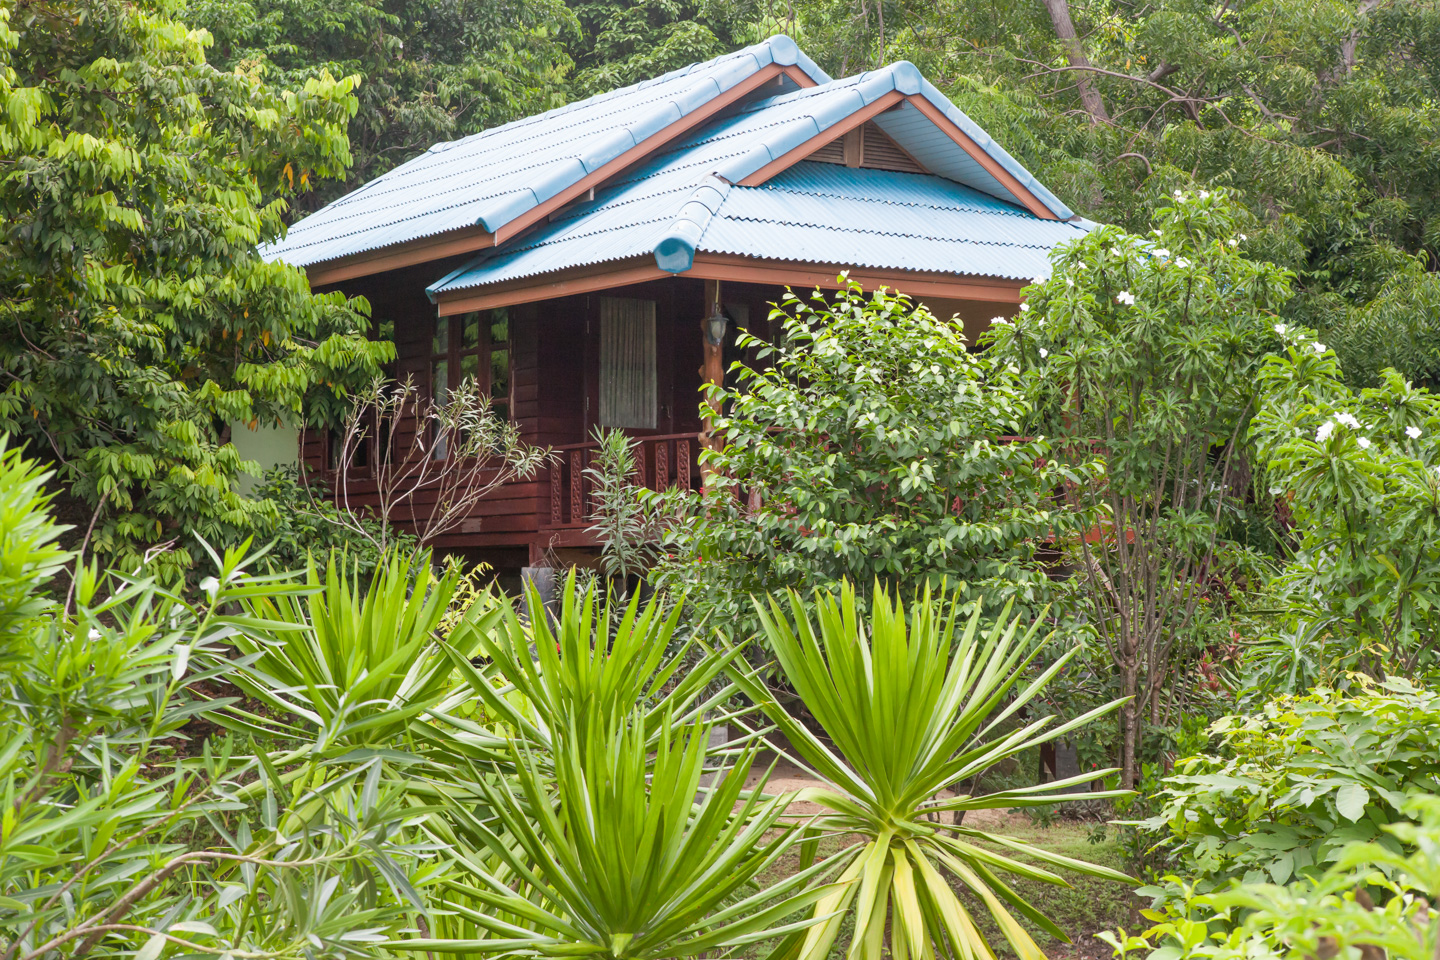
(404, 458)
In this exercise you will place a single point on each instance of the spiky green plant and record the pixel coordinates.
(605, 852)
(596, 660)
(356, 657)
(914, 710)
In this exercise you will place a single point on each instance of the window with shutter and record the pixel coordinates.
(627, 363)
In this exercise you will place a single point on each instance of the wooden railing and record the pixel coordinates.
(664, 461)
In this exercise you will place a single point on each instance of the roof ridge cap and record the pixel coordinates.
(675, 251)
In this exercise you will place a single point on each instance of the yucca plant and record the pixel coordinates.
(914, 709)
(605, 852)
(356, 657)
(597, 660)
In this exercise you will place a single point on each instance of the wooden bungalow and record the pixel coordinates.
(590, 265)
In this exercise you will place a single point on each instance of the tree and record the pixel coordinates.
(867, 442)
(432, 70)
(138, 319)
(622, 42)
(1145, 352)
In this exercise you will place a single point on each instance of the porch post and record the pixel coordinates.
(713, 370)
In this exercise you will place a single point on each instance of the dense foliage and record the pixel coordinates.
(867, 441)
(1285, 789)
(432, 70)
(139, 321)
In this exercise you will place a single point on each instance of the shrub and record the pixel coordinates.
(913, 707)
(1372, 902)
(122, 839)
(872, 444)
(1288, 788)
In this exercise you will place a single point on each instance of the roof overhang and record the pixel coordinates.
(710, 266)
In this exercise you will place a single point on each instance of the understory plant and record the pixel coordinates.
(915, 708)
(1285, 789)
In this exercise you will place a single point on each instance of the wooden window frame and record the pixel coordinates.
(455, 351)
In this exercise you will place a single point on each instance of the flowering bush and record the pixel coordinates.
(1360, 472)
(872, 445)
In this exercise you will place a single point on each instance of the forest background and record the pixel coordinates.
(1323, 116)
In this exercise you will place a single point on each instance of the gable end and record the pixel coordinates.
(870, 147)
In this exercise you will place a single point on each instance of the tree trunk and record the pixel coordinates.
(1075, 53)
(1348, 45)
(1129, 718)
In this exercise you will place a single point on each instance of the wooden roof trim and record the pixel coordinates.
(471, 239)
(989, 163)
(713, 266)
(887, 102)
(424, 250)
(548, 286)
(716, 266)
(836, 130)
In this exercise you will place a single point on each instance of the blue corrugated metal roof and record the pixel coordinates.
(813, 212)
(494, 176)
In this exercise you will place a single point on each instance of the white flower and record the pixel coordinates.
(1179, 195)
(1243, 238)
(998, 320)
(1024, 308)
(1318, 347)
(1037, 280)
(1044, 353)
(1364, 443)
(1280, 329)
(1204, 194)
(1069, 282)
(1181, 262)
(1082, 266)
(1234, 242)
(1126, 297)
(1413, 433)
(1324, 432)
(1348, 419)
(1162, 253)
